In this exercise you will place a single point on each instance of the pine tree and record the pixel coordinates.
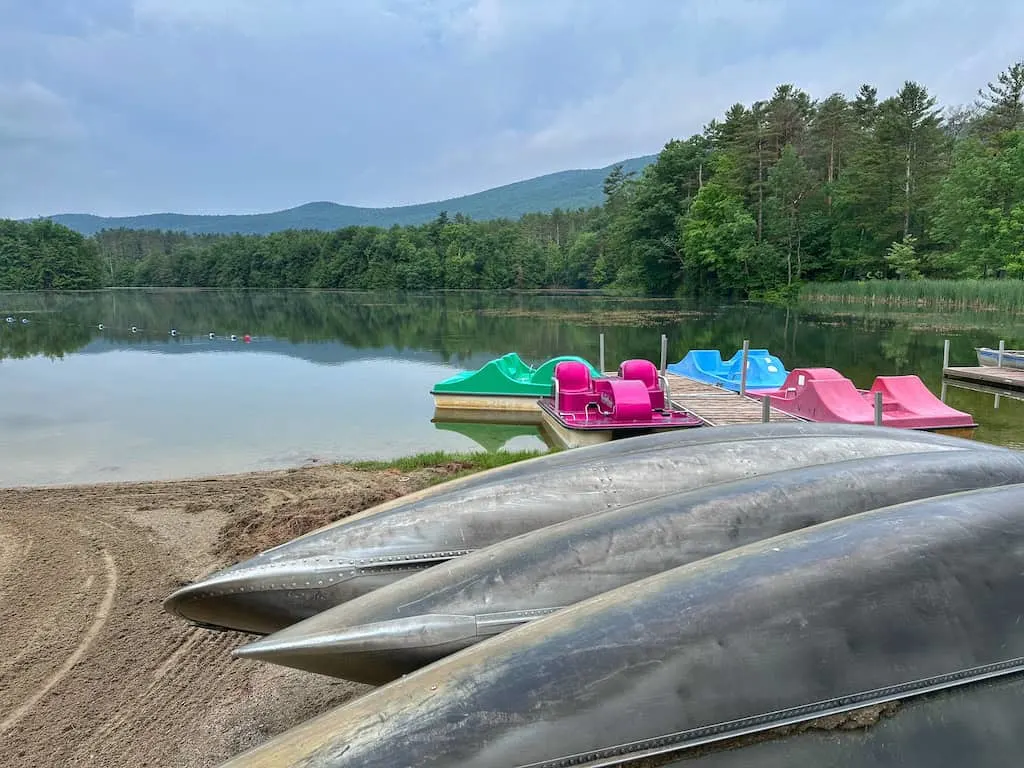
(1002, 103)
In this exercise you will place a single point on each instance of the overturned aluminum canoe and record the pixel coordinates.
(886, 605)
(357, 555)
(976, 725)
(395, 630)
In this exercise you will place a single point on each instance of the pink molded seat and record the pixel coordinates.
(645, 372)
(906, 401)
(573, 386)
(797, 380)
(824, 395)
(626, 399)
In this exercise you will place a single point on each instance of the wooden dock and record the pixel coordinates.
(1005, 379)
(719, 407)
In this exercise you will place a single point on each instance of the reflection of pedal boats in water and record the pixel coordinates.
(491, 437)
(506, 383)
(585, 410)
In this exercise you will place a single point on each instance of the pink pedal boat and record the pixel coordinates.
(585, 410)
(825, 395)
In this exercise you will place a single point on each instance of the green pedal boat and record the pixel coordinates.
(505, 384)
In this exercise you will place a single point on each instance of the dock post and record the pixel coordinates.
(664, 353)
(878, 409)
(600, 366)
(743, 369)
(945, 355)
(766, 409)
(1002, 348)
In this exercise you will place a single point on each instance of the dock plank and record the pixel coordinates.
(1004, 378)
(716, 406)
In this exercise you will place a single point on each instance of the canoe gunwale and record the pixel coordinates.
(755, 724)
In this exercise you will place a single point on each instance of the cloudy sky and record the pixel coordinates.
(120, 107)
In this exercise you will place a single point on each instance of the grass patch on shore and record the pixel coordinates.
(453, 462)
(977, 295)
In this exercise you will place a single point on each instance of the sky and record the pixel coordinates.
(122, 107)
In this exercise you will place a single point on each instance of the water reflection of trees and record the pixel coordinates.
(470, 327)
(459, 326)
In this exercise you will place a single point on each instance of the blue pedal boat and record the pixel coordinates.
(765, 372)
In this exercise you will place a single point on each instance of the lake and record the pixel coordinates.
(130, 385)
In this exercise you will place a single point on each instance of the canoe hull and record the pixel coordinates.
(354, 556)
(976, 725)
(886, 605)
(423, 618)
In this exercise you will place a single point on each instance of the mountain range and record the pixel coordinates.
(564, 189)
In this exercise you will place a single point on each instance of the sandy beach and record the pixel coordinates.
(93, 672)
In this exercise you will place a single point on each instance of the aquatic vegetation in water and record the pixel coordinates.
(598, 317)
(977, 295)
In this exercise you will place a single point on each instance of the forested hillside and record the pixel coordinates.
(784, 191)
(565, 189)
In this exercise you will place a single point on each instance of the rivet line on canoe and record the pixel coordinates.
(413, 558)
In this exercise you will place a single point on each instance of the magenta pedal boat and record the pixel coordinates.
(824, 394)
(585, 410)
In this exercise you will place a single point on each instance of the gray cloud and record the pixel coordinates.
(241, 105)
(32, 115)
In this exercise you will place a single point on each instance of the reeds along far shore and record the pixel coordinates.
(1006, 295)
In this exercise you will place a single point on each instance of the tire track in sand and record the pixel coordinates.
(101, 615)
(93, 671)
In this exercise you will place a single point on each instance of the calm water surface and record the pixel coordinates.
(339, 376)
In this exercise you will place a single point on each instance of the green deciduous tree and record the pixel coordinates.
(979, 210)
(717, 240)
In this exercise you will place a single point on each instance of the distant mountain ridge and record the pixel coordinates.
(564, 189)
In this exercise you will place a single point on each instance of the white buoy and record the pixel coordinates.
(234, 337)
(100, 326)
(24, 321)
(173, 332)
(10, 319)
(213, 335)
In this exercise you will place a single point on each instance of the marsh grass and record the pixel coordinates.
(628, 318)
(974, 295)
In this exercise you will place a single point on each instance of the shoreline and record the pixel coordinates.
(473, 462)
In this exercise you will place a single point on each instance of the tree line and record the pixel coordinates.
(771, 195)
